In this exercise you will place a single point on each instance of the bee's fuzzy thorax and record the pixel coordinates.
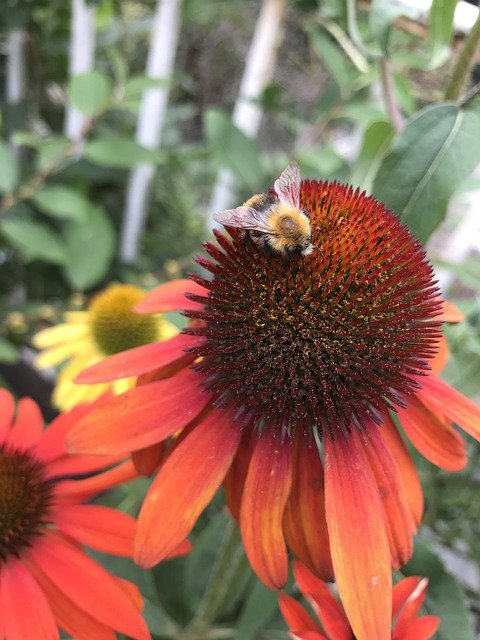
(289, 222)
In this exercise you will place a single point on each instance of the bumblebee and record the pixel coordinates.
(276, 223)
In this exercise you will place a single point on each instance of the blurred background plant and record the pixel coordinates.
(126, 124)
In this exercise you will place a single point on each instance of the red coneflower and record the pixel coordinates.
(46, 581)
(282, 388)
(408, 597)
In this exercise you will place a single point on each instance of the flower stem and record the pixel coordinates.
(230, 554)
(463, 63)
(389, 94)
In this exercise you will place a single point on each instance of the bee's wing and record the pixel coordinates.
(287, 187)
(243, 218)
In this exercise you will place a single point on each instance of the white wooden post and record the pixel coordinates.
(258, 72)
(161, 59)
(81, 60)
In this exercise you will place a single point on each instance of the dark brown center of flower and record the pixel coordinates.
(25, 497)
(115, 326)
(330, 340)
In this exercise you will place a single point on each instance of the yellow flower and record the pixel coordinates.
(107, 326)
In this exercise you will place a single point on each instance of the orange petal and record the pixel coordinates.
(304, 518)
(328, 610)
(140, 360)
(433, 436)
(28, 426)
(148, 459)
(26, 613)
(451, 403)
(406, 468)
(402, 591)
(265, 494)
(358, 538)
(297, 619)
(70, 617)
(180, 550)
(141, 417)
(88, 585)
(398, 518)
(407, 624)
(184, 485)
(171, 297)
(439, 360)
(75, 491)
(237, 474)
(98, 527)
(7, 410)
(450, 313)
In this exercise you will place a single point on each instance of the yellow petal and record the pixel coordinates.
(52, 357)
(61, 333)
(122, 385)
(166, 330)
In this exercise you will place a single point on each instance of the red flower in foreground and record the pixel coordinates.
(46, 581)
(408, 597)
(282, 388)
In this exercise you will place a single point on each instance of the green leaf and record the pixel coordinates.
(332, 57)
(114, 151)
(382, 18)
(137, 85)
(376, 142)
(90, 92)
(428, 161)
(8, 169)
(62, 202)
(440, 31)
(52, 151)
(8, 353)
(90, 248)
(35, 240)
(445, 596)
(259, 607)
(232, 148)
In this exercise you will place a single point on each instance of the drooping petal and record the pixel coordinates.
(25, 611)
(141, 417)
(184, 486)
(420, 629)
(406, 468)
(139, 360)
(88, 585)
(407, 623)
(265, 494)
(304, 518)
(68, 615)
(27, 428)
(451, 403)
(402, 591)
(328, 610)
(75, 491)
(450, 313)
(433, 436)
(358, 538)
(7, 410)
(148, 459)
(171, 297)
(439, 360)
(237, 474)
(99, 527)
(297, 619)
(398, 518)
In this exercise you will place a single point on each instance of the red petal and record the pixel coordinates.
(420, 629)
(324, 604)
(433, 436)
(237, 474)
(182, 549)
(295, 616)
(7, 410)
(88, 585)
(75, 491)
(28, 426)
(406, 468)
(451, 403)
(99, 527)
(69, 616)
(358, 538)
(304, 518)
(398, 518)
(71, 465)
(148, 459)
(26, 613)
(141, 417)
(402, 591)
(185, 484)
(265, 494)
(450, 313)
(140, 360)
(171, 297)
